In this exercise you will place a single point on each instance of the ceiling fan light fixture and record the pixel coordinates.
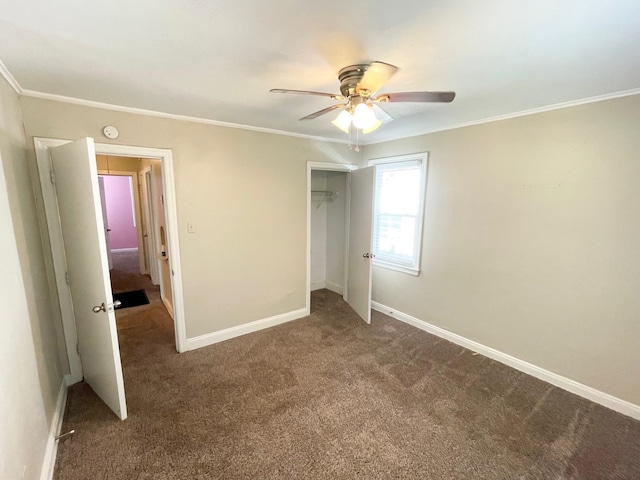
(363, 117)
(359, 85)
(372, 128)
(343, 121)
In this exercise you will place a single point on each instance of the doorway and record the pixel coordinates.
(328, 216)
(134, 217)
(322, 196)
(56, 267)
(339, 233)
(120, 215)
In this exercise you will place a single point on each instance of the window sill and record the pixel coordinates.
(399, 268)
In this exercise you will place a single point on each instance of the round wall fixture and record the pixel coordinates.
(110, 132)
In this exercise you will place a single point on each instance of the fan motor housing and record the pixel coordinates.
(350, 77)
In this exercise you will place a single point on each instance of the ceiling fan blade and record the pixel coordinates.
(377, 74)
(438, 97)
(306, 92)
(322, 112)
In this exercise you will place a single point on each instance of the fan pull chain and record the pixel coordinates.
(357, 146)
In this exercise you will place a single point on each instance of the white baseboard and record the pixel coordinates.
(49, 460)
(609, 401)
(70, 379)
(228, 333)
(124, 250)
(167, 305)
(328, 285)
(334, 288)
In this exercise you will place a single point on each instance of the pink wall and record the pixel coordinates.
(117, 192)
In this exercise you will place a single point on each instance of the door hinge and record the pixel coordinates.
(52, 176)
(67, 278)
(78, 348)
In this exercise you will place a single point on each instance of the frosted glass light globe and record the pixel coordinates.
(363, 117)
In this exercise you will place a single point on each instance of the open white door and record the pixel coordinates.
(78, 195)
(361, 219)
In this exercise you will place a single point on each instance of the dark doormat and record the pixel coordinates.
(133, 298)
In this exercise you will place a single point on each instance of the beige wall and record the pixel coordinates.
(113, 163)
(318, 231)
(531, 243)
(29, 345)
(336, 183)
(327, 219)
(245, 192)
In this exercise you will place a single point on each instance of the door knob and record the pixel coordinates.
(103, 308)
(365, 255)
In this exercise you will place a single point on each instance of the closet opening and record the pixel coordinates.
(328, 228)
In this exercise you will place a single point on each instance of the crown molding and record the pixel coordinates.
(523, 113)
(186, 118)
(172, 116)
(4, 71)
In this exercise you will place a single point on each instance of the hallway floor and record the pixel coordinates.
(142, 329)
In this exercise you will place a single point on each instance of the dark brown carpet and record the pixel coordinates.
(327, 397)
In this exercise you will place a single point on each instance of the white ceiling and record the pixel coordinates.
(217, 59)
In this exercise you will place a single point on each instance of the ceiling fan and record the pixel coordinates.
(358, 86)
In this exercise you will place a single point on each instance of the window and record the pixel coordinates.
(398, 211)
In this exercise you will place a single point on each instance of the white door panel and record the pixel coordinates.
(360, 216)
(81, 220)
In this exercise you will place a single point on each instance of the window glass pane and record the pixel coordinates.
(395, 235)
(398, 191)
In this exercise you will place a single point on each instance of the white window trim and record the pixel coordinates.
(423, 157)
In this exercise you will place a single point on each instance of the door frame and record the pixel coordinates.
(147, 211)
(136, 209)
(330, 167)
(57, 269)
(105, 221)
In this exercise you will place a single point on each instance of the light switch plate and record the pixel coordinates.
(191, 228)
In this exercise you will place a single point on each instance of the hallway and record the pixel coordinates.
(140, 329)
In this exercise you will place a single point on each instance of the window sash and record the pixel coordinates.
(391, 252)
(392, 243)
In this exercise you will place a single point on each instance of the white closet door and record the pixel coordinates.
(360, 242)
